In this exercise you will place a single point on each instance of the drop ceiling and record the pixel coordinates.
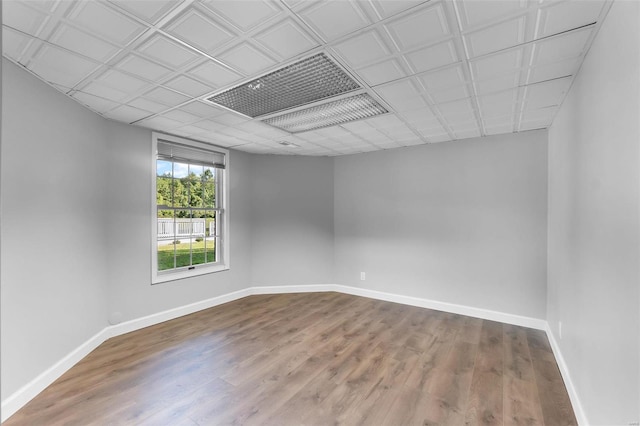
(444, 70)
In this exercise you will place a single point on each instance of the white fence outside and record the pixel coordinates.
(167, 228)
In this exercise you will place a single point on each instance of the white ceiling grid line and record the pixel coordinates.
(444, 69)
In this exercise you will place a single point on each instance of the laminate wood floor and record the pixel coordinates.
(312, 359)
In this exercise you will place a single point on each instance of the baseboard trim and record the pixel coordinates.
(26, 393)
(18, 399)
(153, 319)
(581, 416)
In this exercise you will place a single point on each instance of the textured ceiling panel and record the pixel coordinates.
(437, 70)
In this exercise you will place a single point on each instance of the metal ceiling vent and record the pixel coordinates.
(305, 82)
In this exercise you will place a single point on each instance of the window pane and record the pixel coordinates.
(183, 253)
(164, 191)
(195, 186)
(165, 240)
(163, 168)
(181, 192)
(180, 170)
(210, 242)
(210, 249)
(197, 251)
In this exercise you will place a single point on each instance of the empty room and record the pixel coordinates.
(296, 212)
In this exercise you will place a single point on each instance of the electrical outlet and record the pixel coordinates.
(362, 276)
(560, 329)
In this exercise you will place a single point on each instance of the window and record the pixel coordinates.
(190, 227)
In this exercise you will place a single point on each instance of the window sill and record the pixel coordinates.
(159, 278)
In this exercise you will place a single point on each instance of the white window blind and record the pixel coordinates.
(181, 153)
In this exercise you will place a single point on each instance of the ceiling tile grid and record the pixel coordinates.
(444, 69)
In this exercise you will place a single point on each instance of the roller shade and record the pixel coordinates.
(187, 154)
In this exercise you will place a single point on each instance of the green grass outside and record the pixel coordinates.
(165, 254)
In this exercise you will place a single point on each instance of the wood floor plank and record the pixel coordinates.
(311, 359)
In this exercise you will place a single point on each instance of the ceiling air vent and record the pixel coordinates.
(328, 114)
(301, 83)
(309, 94)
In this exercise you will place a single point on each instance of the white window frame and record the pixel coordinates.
(223, 263)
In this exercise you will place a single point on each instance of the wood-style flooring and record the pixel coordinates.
(312, 359)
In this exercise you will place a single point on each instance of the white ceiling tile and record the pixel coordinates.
(382, 72)
(388, 8)
(106, 92)
(546, 94)
(450, 94)
(467, 133)
(100, 19)
(419, 115)
(214, 74)
(334, 19)
(20, 16)
(202, 109)
(398, 90)
(166, 96)
(229, 119)
(147, 105)
(13, 43)
(161, 123)
(407, 104)
(181, 116)
(504, 97)
(496, 37)
(286, 39)
(534, 125)
(476, 12)
(432, 57)
(149, 10)
(442, 79)
(561, 47)
(567, 15)
(121, 81)
(497, 110)
(491, 66)
(209, 125)
(94, 102)
(188, 86)
(497, 84)
(555, 70)
(458, 111)
(363, 49)
(61, 67)
(242, 14)
(126, 114)
(167, 52)
(82, 43)
(425, 26)
(143, 68)
(247, 59)
(199, 30)
(437, 138)
(384, 121)
(498, 129)
(541, 114)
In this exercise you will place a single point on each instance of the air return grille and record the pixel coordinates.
(328, 114)
(309, 80)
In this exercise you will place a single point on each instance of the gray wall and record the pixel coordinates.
(54, 285)
(292, 220)
(131, 294)
(462, 222)
(594, 223)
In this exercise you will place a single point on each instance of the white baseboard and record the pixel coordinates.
(581, 416)
(27, 392)
(18, 399)
(153, 319)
